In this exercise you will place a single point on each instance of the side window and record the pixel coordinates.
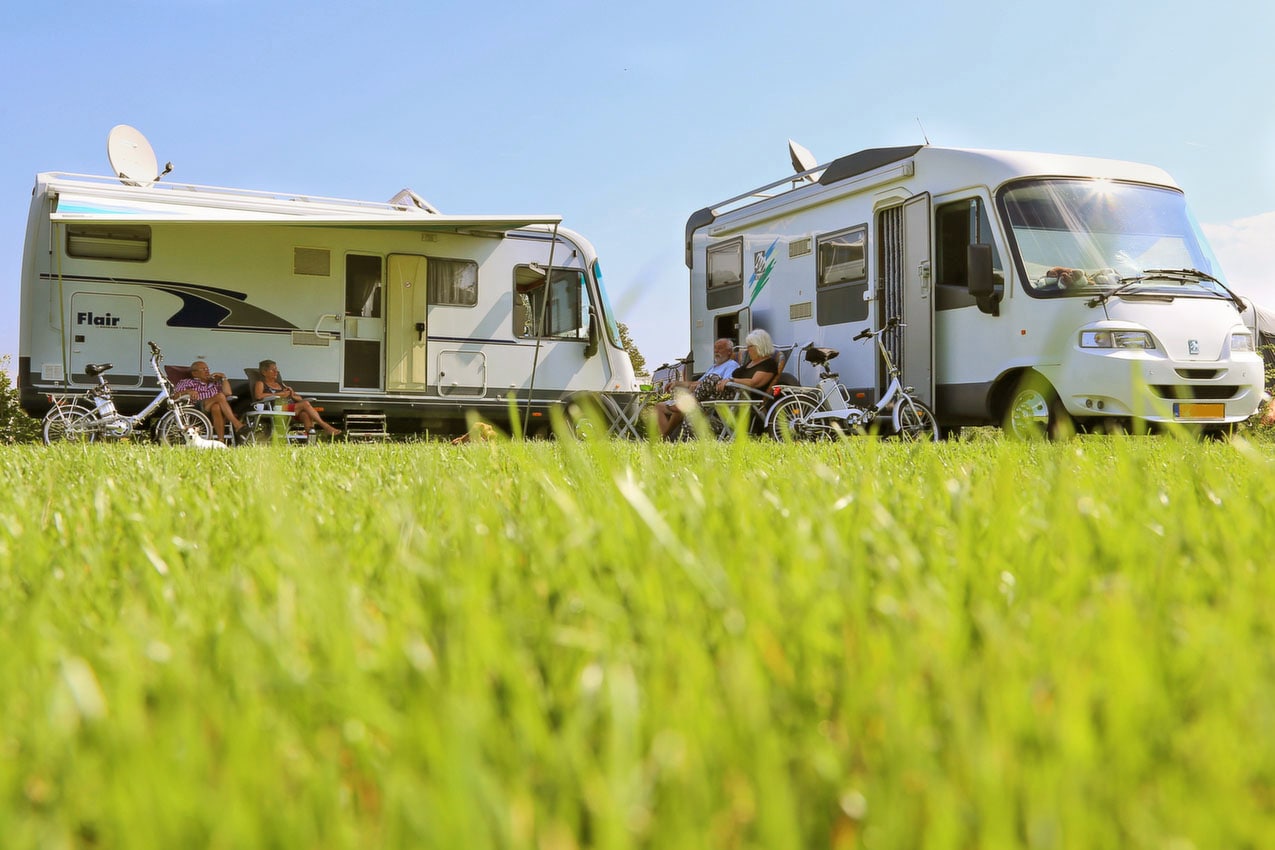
(843, 277)
(958, 225)
(563, 316)
(109, 241)
(726, 274)
(453, 282)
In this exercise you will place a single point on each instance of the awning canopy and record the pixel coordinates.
(74, 207)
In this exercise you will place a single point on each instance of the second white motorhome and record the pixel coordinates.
(1037, 290)
(382, 309)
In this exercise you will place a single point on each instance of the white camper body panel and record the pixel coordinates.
(821, 256)
(364, 306)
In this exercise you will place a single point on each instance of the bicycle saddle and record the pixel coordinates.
(95, 369)
(820, 356)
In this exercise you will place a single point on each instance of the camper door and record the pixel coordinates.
(406, 296)
(918, 299)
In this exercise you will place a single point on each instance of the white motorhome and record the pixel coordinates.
(385, 309)
(1036, 289)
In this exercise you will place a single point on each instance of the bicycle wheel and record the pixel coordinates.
(70, 423)
(914, 422)
(168, 431)
(787, 419)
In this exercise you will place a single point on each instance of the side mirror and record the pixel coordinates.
(981, 278)
(592, 347)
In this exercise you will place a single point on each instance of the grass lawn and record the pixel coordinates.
(560, 645)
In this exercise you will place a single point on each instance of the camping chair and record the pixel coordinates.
(738, 398)
(269, 419)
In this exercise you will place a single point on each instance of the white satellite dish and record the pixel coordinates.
(132, 158)
(802, 159)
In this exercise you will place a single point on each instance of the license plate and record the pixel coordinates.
(1199, 410)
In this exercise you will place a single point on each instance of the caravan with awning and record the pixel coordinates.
(391, 308)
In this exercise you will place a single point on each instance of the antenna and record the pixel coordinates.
(922, 126)
(132, 158)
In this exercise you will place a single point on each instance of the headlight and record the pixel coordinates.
(1116, 339)
(1241, 341)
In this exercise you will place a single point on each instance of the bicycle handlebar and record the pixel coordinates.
(890, 324)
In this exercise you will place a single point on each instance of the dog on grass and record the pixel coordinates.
(197, 441)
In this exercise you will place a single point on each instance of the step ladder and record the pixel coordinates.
(365, 427)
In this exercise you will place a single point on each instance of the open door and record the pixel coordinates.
(405, 323)
(918, 299)
(364, 325)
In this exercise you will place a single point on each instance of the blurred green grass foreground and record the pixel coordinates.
(562, 645)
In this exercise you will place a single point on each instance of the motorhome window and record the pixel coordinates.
(842, 277)
(726, 274)
(563, 316)
(957, 225)
(1075, 236)
(453, 282)
(363, 286)
(109, 241)
(613, 329)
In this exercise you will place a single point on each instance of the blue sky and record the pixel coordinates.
(625, 119)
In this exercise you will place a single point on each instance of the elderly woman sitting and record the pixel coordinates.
(760, 366)
(269, 387)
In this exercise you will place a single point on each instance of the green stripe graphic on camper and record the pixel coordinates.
(763, 265)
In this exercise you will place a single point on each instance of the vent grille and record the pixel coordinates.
(309, 338)
(802, 310)
(799, 247)
(312, 261)
(1193, 392)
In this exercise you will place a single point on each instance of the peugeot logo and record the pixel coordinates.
(1192, 346)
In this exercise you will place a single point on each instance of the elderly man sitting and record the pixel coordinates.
(210, 391)
(668, 415)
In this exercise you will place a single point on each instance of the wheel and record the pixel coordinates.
(787, 419)
(70, 423)
(168, 431)
(914, 422)
(1035, 412)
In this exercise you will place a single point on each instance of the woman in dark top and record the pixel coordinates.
(760, 367)
(270, 388)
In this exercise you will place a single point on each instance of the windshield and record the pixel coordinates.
(1083, 236)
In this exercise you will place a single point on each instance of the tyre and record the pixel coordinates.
(1034, 411)
(787, 419)
(169, 433)
(70, 423)
(914, 422)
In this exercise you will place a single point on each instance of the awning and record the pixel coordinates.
(74, 207)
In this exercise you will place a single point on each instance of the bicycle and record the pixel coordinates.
(823, 412)
(93, 415)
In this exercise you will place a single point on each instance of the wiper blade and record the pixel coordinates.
(1127, 283)
(1196, 274)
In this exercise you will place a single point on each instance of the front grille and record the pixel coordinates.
(1194, 392)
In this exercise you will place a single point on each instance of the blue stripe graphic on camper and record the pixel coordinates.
(763, 265)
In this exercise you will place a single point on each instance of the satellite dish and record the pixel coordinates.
(802, 159)
(132, 159)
